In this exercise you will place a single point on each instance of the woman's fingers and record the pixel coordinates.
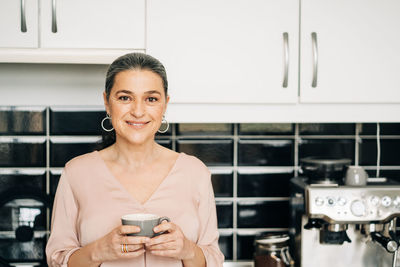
(164, 227)
(165, 245)
(133, 254)
(134, 240)
(127, 229)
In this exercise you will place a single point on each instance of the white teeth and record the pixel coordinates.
(136, 124)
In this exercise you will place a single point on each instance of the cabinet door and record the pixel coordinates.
(19, 23)
(358, 59)
(226, 51)
(92, 23)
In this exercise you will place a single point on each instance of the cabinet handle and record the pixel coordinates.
(23, 17)
(54, 17)
(286, 58)
(315, 58)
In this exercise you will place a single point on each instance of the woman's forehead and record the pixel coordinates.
(138, 81)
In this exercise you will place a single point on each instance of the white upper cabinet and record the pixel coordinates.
(117, 24)
(19, 23)
(72, 24)
(354, 57)
(226, 51)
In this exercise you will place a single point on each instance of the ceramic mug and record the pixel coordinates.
(355, 176)
(145, 221)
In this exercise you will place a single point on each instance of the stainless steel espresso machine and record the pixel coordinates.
(335, 225)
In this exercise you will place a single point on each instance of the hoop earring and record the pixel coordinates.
(102, 124)
(164, 121)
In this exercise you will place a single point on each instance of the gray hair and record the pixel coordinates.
(135, 61)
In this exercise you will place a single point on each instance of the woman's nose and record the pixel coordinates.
(137, 109)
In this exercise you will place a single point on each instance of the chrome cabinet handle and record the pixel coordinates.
(315, 59)
(286, 59)
(54, 17)
(23, 16)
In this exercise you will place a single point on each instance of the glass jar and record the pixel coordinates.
(272, 250)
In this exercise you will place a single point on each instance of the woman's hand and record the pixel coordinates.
(110, 247)
(172, 243)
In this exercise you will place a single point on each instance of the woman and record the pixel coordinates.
(134, 175)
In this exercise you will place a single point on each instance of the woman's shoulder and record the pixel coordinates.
(193, 164)
(85, 161)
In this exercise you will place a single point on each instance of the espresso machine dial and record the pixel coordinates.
(358, 208)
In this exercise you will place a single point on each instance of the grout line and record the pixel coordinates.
(296, 149)
(173, 136)
(357, 144)
(48, 165)
(235, 179)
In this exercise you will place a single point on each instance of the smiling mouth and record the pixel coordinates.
(137, 124)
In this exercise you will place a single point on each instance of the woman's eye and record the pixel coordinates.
(123, 98)
(152, 99)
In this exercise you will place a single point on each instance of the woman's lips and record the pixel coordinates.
(137, 125)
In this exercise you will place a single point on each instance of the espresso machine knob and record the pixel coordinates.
(386, 201)
(396, 201)
(358, 208)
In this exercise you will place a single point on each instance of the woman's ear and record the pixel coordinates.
(106, 103)
(166, 103)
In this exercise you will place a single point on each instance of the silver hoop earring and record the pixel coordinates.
(102, 124)
(166, 129)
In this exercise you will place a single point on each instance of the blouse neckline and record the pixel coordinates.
(125, 191)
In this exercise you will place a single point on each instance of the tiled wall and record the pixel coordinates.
(251, 165)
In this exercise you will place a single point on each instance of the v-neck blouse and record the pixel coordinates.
(90, 201)
(123, 189)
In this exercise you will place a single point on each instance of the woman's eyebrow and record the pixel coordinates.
(124, 91)
(132, 93)
(152, 92)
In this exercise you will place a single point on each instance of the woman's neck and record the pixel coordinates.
(134, 155)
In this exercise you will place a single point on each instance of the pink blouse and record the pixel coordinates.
(90, 201)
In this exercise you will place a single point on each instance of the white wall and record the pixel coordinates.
(51, 84)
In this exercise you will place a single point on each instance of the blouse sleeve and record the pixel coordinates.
(63, 240)
(208, 238)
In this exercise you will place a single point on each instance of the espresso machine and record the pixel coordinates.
(335, 225)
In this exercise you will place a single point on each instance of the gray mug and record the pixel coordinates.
(145, 221)
(356, 176)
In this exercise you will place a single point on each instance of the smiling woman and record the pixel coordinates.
(134, 174)
(135, 62)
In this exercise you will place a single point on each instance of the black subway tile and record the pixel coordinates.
(266, 152)
(61, 153)
(245, 247)
(222, 184)
(384, 129)
(34, 182)
(389, 174)
(225, 243)
(22, 154)
(211, 152)
(327, 129)
(54, 179)
(15, 251)
(16, 122)
(165, 143)
(389, 152)
(328, 148)
(19, 202)
(266, 129)
(205, 129)
(224, 214)
(264, 185)
(263, 214)
(76, 122)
